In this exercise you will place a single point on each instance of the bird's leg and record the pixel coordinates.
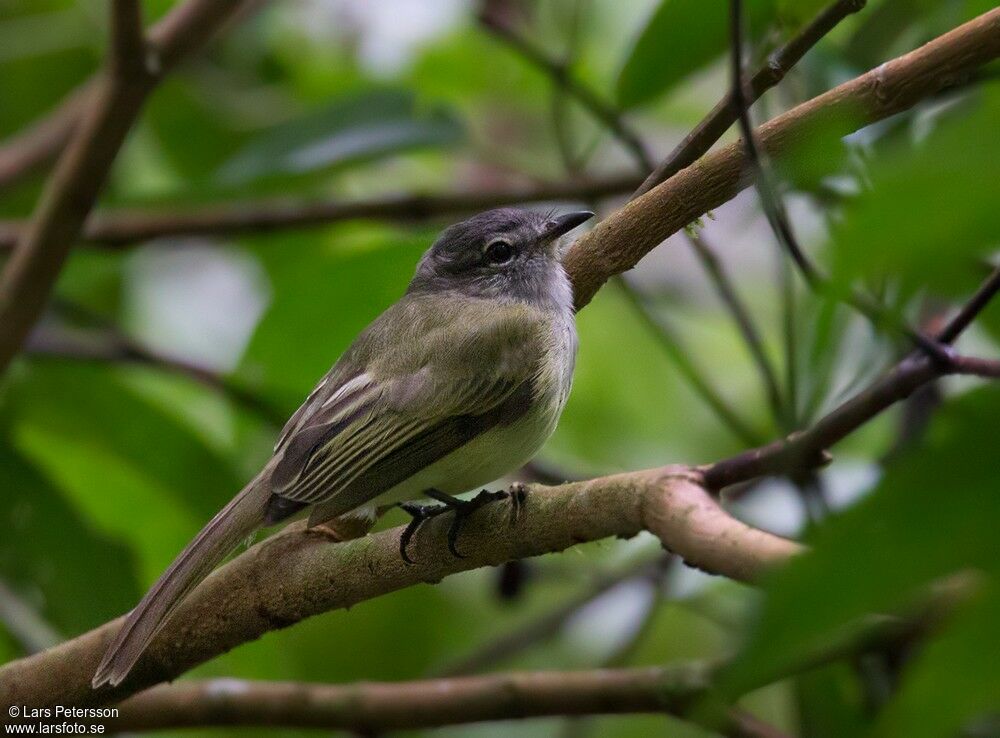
(419, 513)
(463, 509)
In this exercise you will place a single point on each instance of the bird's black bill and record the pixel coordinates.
(565, 223)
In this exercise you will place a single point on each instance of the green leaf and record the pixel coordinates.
(325, 291)
(930, 210)
(680, 38)
(954, 680)
(344, 132)
(52, 556)
(134, 470)
(798, 12)
(91, 404)
(933, 514)
(830, 702)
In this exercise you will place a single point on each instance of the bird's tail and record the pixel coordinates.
(241, 517)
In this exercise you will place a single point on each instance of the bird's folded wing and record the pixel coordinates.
(363, 435)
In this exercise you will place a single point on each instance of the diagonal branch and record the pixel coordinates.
(108, 344)
(806, 449)
(71, 191)
(725, 113)
(184, 30)
(620, 241)
(128, 41)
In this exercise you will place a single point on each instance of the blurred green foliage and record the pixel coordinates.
(109, 468)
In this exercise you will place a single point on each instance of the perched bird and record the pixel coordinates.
(456, 384)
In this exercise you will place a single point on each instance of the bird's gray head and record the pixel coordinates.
(502, 253)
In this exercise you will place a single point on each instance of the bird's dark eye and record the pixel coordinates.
(499, 252)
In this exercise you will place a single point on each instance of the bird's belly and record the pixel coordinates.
(487, 457)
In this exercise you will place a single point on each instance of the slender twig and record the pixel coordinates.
(975, 305)
(741, 317)
(542, 627)
(563, 77)
(977, 367)
(724, 114)
(24, 623)
(789, 324)
(110, 345)
(774, 209)
(128, 41)
(617, 244)
(806, 448)
(127, 227)
(30, 274)
(695, 376)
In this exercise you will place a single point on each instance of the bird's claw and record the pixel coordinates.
(462, 509)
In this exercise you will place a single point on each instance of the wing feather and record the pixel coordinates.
(371, 421)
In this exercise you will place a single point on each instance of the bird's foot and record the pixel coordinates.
(418, 513)
(462, 509)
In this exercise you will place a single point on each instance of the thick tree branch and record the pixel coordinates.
(299, 573)
(621, 240)
(725, 113)
(124, 228)
(70, 193)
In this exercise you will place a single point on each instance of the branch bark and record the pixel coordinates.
(621, 240)
(298, 573)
